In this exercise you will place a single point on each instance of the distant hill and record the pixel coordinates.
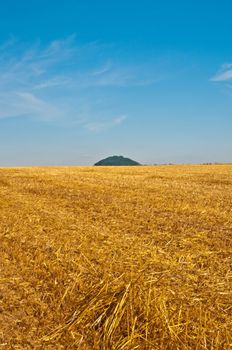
(116, 161)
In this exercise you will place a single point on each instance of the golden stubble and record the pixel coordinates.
(116, 257)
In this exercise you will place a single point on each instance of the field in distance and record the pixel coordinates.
(124, 258)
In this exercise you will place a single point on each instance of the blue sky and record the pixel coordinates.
(82, 80)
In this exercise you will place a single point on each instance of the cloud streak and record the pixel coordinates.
(224, 74)
(106, 124)
(64, 82)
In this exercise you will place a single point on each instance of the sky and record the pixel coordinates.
(83, 80)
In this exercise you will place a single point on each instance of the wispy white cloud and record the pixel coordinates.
(37, 106)
(224, 74)
(18, 104)
(63, 80)
(102, 70)
(120, 75)
(105, 124)
(53, 82)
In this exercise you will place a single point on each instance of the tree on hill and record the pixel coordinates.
(116, 161)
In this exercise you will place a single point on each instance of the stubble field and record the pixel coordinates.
(122, 258)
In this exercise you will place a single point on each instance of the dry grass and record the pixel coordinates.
(116, 258)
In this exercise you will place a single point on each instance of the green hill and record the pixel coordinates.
(116, 161)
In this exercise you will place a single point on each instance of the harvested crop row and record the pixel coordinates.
(116, 258)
